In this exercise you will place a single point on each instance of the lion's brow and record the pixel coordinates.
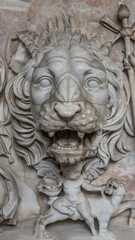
(55, 59)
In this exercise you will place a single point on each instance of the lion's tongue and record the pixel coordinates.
(67, 139)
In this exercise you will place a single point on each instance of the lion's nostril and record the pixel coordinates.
(66, 111)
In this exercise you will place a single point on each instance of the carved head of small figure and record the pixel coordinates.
(115, 187)
(72, 172)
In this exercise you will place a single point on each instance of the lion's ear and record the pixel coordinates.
(18, 59)
(21, 47)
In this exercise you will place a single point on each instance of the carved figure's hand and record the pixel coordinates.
(70, 209)
(92, 170)
(129, 62)
(132, 59)
(103, 190)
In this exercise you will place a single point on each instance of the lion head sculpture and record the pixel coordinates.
(115, 187)
(69, 101)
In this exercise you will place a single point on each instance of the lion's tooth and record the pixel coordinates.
(51, 134)
(81, 134)
(80, 147)
(71, 160)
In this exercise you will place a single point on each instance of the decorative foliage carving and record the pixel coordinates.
(5, 138)
(8, 211)
(9, 208)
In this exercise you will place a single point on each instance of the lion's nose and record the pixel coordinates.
(66, 111)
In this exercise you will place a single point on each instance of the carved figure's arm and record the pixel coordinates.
(92, 188)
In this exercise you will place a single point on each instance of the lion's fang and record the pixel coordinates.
(81, 135)
(51, 134)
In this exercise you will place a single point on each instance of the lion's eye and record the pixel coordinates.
(45, 82)
(92, 83)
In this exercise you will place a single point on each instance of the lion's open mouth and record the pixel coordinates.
(68, 146)
(67, 141)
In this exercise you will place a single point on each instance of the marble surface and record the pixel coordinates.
(32, 14)
(66, 231)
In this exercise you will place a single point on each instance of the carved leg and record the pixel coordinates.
(84, 210)
(62, 205)
(132, 218)
(90, 224)
(51, 216)
(103, 227)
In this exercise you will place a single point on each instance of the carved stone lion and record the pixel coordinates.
(68, 100)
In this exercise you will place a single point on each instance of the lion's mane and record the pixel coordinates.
(31, 144)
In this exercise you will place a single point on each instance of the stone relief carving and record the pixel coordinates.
(9, 208)
(128, 34)
(71, 116)
(74, 204)
(99, 120)
(5, 138)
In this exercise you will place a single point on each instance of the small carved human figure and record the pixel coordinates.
(75, 205)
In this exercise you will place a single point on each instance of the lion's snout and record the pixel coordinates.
(77, 116)
(67, 110)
